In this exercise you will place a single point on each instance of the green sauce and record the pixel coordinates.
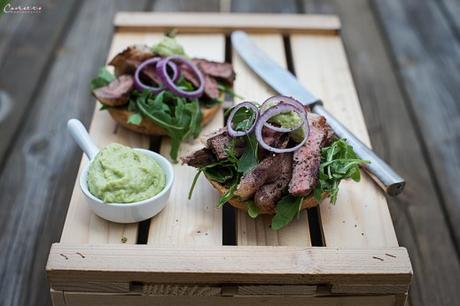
(168, 46)
(289, 120)
(119, 174)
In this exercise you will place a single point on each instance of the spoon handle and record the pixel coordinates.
(82, 138)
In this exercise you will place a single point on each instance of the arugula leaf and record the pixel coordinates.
(249, 160)
(104, 77)
(135, 119)
(338, 161)
(228, 194)
(286, 209)
(181, 118)
(224, 88)
(253, 210)
(219, 174)
(195, 179)
(243, 119)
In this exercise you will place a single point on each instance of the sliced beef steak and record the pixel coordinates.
(269, 194)
(116, 93)
(274, 139)
(127, 61)
(267, 171)
(306, 160)
(210, 84)
(219, 141)
(199, 158)
(218, 70)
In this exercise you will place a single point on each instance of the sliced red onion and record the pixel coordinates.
(273, 111)
(272, 101)
(275, 100)
(169, 83)
(153, 62)
(249, 105)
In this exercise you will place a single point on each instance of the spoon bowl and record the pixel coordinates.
(120, 212)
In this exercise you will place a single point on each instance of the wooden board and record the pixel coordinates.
(82, 225)
(196, 221)
(225, 23)
(417, 213)
(185, 239)
(228, 264)
(360, 218)
(252, 88)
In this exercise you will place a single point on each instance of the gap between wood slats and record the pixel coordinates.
(228, 212)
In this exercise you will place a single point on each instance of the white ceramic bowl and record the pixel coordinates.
(136, 211)
(121, 212)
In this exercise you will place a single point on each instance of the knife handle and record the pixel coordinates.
(378, 169)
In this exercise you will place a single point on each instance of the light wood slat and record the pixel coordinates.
(98, 299)
(197, 221)
(224, 22)
(228, 264)
(82, 225)
(251, 87)
(360, 218)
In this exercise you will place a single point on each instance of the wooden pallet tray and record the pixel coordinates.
(345, 253)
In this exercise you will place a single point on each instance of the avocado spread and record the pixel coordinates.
(289, 120)
(119, 174)
(168, 46)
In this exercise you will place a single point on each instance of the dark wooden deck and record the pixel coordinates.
(405, 58)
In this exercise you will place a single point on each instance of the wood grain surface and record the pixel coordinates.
(228, 264)
(194, 221)
(40, 169)
(258, 231)
(377, 66)
(417, 213)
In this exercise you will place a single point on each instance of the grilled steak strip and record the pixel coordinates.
(219, 141)
(127, 61)
(218, 70)
(199, 158)
(306, 159)
(273, 139)
(267, 171)
(116, 93)
(269, 194)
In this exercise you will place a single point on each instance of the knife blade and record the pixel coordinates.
(285, 83)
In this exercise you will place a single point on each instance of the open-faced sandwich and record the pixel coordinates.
(276, 158)
(159, 90)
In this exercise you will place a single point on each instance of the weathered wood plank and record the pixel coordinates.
(427, 55)
(43, 162)
(27, 45)
(81, 299)
(228, 264)
(187, 6)
(417, 213)
(215, 23)
(197, 221)
(82, 225)
(252, 88)
(265, 6)
(360, 218)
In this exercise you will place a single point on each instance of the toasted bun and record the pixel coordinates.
(147, 127)
(308, 202)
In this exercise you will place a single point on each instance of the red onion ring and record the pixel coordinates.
(248, 105)
(273, 111)
(275, 100)
(152, 62)
(169, 83)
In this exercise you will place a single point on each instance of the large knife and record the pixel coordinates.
(286, 84)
